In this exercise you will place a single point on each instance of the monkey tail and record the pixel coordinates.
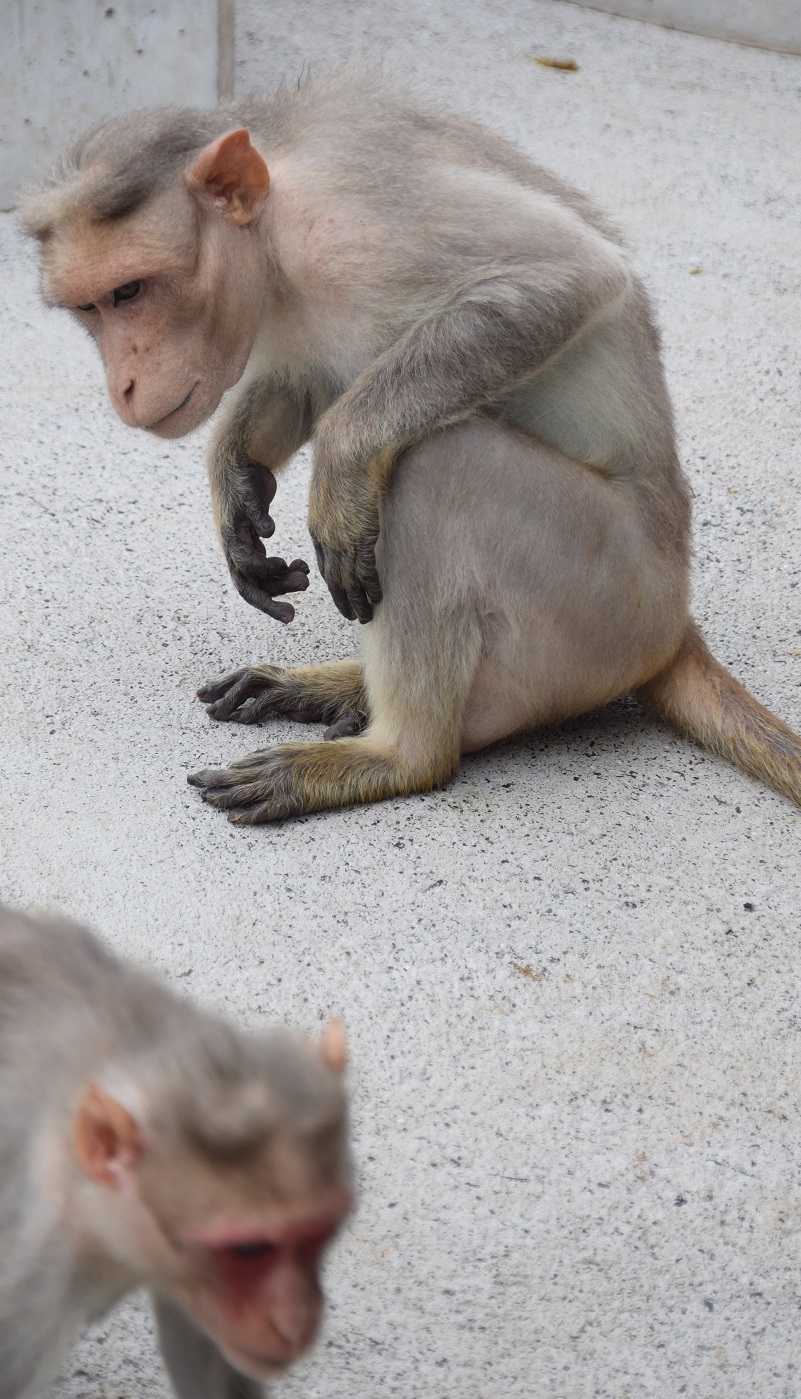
(701, 699)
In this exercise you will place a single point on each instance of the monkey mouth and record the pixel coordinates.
(253, 1364)
(175, 410)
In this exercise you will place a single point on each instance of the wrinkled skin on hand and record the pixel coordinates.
(259, 578)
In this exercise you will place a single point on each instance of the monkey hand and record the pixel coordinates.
(244, 522)
(344, 526)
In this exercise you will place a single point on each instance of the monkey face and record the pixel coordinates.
(167, 293)
(256, 1289)
(224, 1197)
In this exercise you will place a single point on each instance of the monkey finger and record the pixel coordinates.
(332, 576)
(260, 487)
(286, 583)
(257, 597)
(262, 525)
(360, 603)
(260, 522)
(340, 597)
(275, 575)
(357, 597)
(342, 601)
(281, 611)
(368, 575)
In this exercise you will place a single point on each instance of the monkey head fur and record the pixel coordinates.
(147, 1143)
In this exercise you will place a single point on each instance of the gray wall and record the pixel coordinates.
(769, 24)
(65, 64)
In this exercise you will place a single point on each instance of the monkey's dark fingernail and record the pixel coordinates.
(299, 566)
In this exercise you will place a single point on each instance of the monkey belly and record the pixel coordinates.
(547, 571)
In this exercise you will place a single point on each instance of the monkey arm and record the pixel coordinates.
(195, 1366)
(487, 338)
(265, 426)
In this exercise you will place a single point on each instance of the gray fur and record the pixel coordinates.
(419, 269)
(71, 1012)
(403, 278)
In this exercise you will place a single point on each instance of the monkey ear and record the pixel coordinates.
(232, 176)
(334, 1045)
(105, 1137)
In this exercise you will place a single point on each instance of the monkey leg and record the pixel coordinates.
(519, 589)
(333, 693)
(418, 682)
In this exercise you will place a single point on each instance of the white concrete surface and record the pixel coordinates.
(770, 24)
(571, 979)
(66, 64)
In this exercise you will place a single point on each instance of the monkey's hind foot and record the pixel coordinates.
(296, 778)
(328, 694)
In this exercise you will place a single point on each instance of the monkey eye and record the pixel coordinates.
(126, 292)
(90, 306)
(260, 1248)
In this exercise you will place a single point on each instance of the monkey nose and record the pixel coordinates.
(122, 392)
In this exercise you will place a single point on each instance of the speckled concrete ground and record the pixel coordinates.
(570, 979)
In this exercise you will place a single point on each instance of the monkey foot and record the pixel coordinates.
(295, 778)
(267, 785)
(245, 696)
(332, 693)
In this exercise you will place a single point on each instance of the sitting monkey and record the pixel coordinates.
(463, 338)
(145, 1143)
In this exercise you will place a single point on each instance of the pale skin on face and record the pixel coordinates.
(175, 318)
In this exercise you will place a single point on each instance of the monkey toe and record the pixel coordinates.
(229, 798)
(346, 727)
(201, 778)
(254, 802)
(262, 812)
(215, 689)
(243, 697)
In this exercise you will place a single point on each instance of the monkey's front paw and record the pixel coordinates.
(267, 578)
(254, 789)
(344, 538)
(244, 522)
